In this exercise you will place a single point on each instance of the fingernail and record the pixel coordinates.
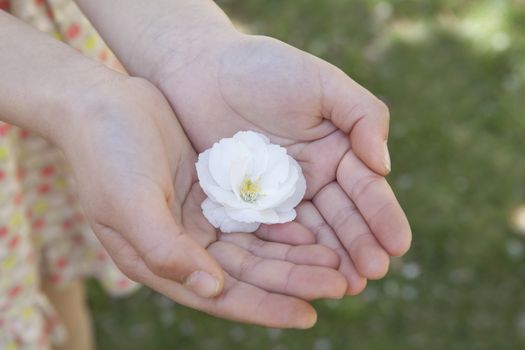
(203, 284)
(388, 164)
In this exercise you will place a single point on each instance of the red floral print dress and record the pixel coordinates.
(43, 235)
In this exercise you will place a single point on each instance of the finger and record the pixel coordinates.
(309, 216)
(369, 257)
(311, 254)
(146, 222)
(288, 233)
(305, 282)
(246, 303)
(357, 112)
(377, 203)
(239, 301)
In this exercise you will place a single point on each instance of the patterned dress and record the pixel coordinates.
(43, 235)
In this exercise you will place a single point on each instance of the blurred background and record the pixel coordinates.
(452, 73)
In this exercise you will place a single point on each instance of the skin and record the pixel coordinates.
(135, 174)
(155, 195)
(325, 121)
(334, 127)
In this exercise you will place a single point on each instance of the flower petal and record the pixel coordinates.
(226, 198)
(268, 216)
(249, 136)
(300, 189)
(222, 155)
(230, 225)
(237, 175)
(275, 196)
(277, 168)
(214, 212)
(216, 215)
(248, 155)
(203, 173)
(257, 145)
(287, 216)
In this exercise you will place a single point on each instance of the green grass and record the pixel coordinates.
(453, 75)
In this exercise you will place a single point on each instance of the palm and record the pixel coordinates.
(261, 84)
(136, 175)
(265, 281)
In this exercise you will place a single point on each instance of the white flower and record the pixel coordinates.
(249, 181)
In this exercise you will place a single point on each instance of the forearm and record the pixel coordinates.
(43, 82)
(144, 34)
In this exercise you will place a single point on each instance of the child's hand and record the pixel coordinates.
(136, 175)
(220, 81)
(335, 128)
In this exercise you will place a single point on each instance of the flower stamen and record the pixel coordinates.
(250, 190)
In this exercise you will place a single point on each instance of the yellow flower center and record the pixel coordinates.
(250, 190)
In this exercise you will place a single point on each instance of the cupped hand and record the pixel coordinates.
(336, 129)
(135, 171)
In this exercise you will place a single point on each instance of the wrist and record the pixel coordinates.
(43, 82)
(175, 37)
(81, 104)
(151, 35)
(201, 46)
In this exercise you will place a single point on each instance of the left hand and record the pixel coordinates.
(137, 183)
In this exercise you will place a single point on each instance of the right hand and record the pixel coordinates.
(334, 128)
(136, 178)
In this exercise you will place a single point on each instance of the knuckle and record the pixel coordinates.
(255, 245)
(132, 275)
(292, 269)
(128, 266)
(247, 265)
(163, 257)
(161, 261)
(364, 185)
(381, 109)
(371, 106)
(342, 217)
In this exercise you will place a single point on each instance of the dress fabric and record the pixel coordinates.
(43, 234)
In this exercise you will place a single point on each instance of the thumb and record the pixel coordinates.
(147, 223)
(357, 112)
